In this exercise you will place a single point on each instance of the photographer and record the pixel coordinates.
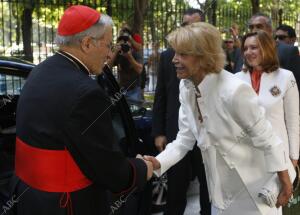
(128, 61)
(134, 38)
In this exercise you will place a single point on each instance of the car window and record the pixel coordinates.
(11, 84)
(10, 88)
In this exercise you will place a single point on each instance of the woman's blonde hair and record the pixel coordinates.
(267, 47)
(200, 39)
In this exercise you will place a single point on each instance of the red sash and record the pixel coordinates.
(48, 170)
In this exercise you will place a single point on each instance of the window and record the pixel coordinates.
(10, 84)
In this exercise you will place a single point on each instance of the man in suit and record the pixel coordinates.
(65, 161)
(165, 128)
(288, 55)
(286, 34)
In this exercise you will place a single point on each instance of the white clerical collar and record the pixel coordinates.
(79, 61)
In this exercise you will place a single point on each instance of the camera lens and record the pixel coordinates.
(125, 47)
(123, 38)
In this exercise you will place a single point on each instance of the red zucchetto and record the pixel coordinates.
(76, 19)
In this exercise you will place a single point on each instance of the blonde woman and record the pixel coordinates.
(219, 111)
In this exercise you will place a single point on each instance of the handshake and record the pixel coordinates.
(152, 164)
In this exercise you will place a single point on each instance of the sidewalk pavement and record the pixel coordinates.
(192, 207)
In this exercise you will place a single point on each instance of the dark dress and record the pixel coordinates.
(61, 106)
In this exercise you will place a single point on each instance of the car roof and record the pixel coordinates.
(15, 66)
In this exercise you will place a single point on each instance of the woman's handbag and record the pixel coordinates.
(293, 207)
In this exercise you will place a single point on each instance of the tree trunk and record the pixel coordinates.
(275, 13)
(255, 6)
(152, 23)
(210, 10)
(140, 7)
(17, 18)
(201, 5)
(109, 8)
(214, 10)
(26, 32)
(280, 13)
(18, 33)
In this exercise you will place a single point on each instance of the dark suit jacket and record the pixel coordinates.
(166, 102)
(288, 58)
(57, 109)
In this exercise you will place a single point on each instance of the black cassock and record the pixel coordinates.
(61, 106)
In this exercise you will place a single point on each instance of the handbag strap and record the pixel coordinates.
(296, 182)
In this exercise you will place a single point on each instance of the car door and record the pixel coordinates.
(123, 124)
(12, 79)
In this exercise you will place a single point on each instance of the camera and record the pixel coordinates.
(225, 30)
(125, 47)
(124, 35)
(124, 38)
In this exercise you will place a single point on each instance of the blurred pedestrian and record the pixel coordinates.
(153, 62)
(286, 34)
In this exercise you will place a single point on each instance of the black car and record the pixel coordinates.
(131, 123)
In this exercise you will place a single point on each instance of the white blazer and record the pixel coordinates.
(239, 148)
(279, 95)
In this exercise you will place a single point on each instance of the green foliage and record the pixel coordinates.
(231, 12)
(11, 13)
(161, 17)
(239, 11)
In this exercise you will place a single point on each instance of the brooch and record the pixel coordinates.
(275, 91)
(293, 83)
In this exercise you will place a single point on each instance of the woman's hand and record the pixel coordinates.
(286, 189)
(149, 167)
(153, 160)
